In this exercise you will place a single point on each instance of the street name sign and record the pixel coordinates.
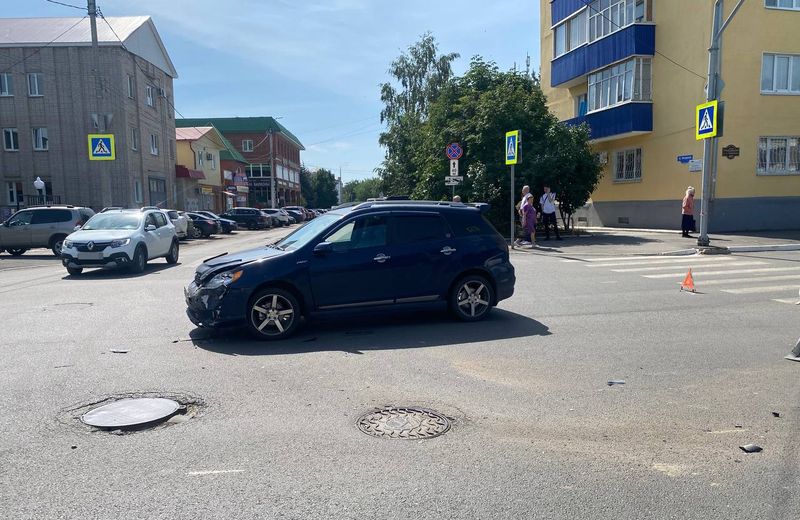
(512, 147)
(101, 147)
(684, 159)
(706, 120)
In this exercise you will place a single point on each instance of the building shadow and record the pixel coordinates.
(386, 332)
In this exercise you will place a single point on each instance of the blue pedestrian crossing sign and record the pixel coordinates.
(706, 120)
(101, 147)
(512, 147)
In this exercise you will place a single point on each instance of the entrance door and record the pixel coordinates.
(358, 272)
(158, 192)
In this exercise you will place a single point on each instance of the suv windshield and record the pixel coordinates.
(308, 232)
(113, 221)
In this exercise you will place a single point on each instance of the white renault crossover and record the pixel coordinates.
(121, 238)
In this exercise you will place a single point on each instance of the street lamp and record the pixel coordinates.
(40, 185)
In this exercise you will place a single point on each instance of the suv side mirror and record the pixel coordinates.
(323, 248)
(77, 228)
(150, 227)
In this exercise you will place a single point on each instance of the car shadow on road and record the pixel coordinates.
(359, 335)
(43, 256)
(119, 273)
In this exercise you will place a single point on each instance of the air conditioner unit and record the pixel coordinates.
(209, 157)
(602, 157)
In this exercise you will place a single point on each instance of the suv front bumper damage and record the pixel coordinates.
(214, 307)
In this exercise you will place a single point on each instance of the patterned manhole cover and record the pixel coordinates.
(403, 423)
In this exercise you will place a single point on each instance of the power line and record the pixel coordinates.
(588, 4)
(40, 49)
(66, 5)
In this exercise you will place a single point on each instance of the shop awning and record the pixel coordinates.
(182, 172)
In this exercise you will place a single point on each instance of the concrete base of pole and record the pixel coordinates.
(795, 355)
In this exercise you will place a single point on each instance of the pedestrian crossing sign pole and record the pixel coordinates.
(512, 158)
(101, 147)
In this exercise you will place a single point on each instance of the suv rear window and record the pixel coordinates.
(410, 229)
(50, 216)
(466, 223)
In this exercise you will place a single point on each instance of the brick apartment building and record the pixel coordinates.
(50, 102)
(264, 143)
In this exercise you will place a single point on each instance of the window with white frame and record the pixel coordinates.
(247, 145)
(40, 141)
(14, 191)
(131, 87)
(628, 165)
(35, 84)
(778, 155)
(570, 34)
(620, 83)
(200, 159)
(10, 140)
(783, 4)
(137, 191)
(149, 96)
(780, 74)
(581, 105)
(6, 84)
(213, 162)
(609, 16)
(153, 144)
(134, 138)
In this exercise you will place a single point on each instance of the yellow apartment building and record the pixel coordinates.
(197, 169)
(634, 70)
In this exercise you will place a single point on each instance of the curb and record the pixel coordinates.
(758, 249)
(680, 252)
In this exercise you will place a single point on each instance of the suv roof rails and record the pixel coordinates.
(110, 208)
(483, 207)
(147, 208)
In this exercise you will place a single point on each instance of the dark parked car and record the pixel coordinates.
(203, 225)
(250, 218)
(227, 225)
(364, 258)
(298, 216)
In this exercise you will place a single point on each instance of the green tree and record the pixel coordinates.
(323, 187)
(306, 191)
(361, 190)
(419, 75)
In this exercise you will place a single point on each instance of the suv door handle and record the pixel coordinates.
(381, 258)
(447, 250)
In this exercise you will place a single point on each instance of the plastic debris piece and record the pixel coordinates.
(776, 414)
(750, 448)
(616, 382)
(120, 350)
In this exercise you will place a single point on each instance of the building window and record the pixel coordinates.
(14, 190)
(628, 81)
(153, 144)
(131, 88)
(571, 34)
(35, 84)
(780, 74)
(171, 148)
(200, 159)
(10, 140)
(39, 139)
(134, 139)
(257, 170)
(628, 165)
(148, 96)
(783, 4)
(6, 84)
(247, 145)
(138, 196)
(609, 16)
(213, 162)
(581, 105)
(778, 156)
(170, 107)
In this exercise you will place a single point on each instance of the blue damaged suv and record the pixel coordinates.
(371, 257)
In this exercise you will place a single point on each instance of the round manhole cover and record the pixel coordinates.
(126, 413)
(403, 423)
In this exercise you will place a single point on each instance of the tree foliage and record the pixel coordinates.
(476, 110)
(318, 188)
(361, 190)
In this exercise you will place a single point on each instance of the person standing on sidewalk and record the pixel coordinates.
(548, 204)
(687, 213)
(527, 200)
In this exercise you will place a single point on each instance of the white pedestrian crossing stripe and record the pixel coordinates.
(753, 276)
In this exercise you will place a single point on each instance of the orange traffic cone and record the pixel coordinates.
(688, 282)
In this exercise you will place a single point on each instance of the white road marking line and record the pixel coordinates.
(793, 301)
(761, 289)
(665, 267)
(214, 472)
(632, 258)
(753, 279)
(732, 271)
(721, 259)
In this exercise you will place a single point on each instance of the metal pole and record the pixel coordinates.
(271, 172)
(709, 145)
(511, 240)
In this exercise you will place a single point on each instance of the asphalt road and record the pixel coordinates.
(537, 432)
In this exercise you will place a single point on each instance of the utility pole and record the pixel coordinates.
(97, 115)
(713, 91)
(272, 182)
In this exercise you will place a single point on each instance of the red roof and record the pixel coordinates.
(186, 173)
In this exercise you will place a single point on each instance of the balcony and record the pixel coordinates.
(620, 121)
(563, 9)
(634, 40)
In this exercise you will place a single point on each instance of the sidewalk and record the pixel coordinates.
(620, 242)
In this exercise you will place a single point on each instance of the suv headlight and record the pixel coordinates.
(67, 244)
(224, 279)
(121, 242)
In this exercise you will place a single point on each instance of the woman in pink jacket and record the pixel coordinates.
(687, 212)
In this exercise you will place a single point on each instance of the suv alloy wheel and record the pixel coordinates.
(273, 314)
(471, 298)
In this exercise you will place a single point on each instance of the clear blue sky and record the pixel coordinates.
(317, 64)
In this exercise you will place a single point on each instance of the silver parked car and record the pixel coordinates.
(181, 223)
(41, 227)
